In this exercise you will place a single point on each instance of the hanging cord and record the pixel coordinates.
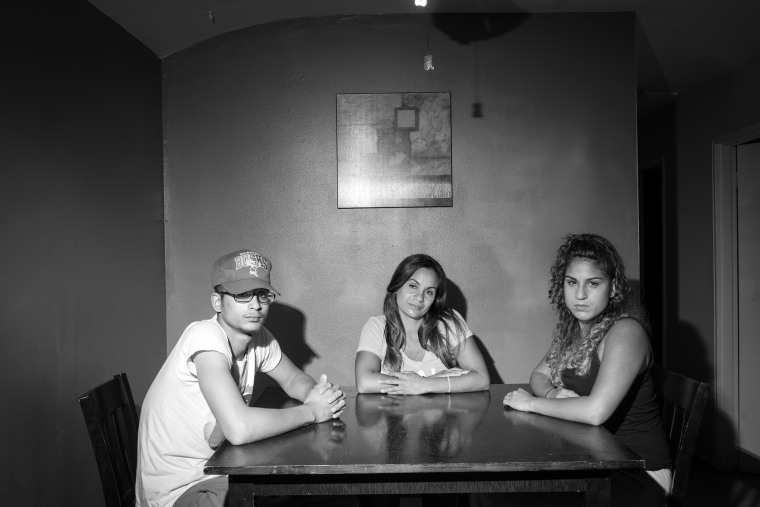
(427, 27)
(428, 65)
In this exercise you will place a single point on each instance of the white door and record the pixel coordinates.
(748, 257)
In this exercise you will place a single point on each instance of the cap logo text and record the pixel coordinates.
(252, 261)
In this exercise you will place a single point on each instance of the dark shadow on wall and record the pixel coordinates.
(692, 361)
(455, 299)
(495, 377)
(288, 325)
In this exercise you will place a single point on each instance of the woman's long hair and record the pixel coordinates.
(570, 347)
(429, 333)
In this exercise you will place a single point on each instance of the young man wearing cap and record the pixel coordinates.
(201, 394)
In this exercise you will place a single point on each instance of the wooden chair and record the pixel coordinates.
(111, 418)
(683, 402)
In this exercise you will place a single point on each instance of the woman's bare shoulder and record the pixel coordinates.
(626, 333)
(629, 329)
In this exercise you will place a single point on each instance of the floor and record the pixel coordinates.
(711, 488)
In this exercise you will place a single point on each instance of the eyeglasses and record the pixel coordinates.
(264, 296)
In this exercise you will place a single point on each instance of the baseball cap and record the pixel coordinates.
(241, 271)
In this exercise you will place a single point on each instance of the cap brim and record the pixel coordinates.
(239, 286)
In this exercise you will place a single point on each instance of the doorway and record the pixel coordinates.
(737, 298)
(748, 254)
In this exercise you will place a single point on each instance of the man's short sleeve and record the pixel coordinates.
(266, 350)
(203, 336)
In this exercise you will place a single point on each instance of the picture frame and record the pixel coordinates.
(394, 150)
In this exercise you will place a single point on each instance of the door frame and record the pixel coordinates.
(726, 388)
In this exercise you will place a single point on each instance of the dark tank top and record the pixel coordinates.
(636, 422)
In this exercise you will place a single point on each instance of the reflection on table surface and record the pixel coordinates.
(400, 434)
(421, 428)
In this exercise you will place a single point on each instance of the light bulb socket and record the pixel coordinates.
(428, 63)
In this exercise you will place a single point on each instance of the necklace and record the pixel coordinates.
(243, 375)
(418, 355)
(240, 377)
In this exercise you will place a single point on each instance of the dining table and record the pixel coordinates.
(458, 443)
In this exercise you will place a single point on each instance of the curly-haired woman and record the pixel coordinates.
(597, 369)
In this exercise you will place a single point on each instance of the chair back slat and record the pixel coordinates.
(683, 402)
(111, 417)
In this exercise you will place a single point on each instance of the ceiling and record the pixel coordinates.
(680, 43)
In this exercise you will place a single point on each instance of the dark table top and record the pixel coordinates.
(467, 432)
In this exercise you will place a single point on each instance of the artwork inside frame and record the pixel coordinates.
(394, 150)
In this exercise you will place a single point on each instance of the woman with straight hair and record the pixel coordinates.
(418, 345)
(597, 369)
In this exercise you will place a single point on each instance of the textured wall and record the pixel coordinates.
(250, 160)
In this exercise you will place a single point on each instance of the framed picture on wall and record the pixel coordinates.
(394, 150)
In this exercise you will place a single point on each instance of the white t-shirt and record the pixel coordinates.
(175, 420)
(372, 339)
